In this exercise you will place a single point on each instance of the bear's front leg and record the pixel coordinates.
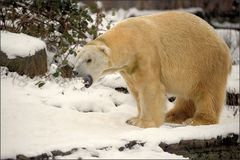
(134, 93)
(152, 105)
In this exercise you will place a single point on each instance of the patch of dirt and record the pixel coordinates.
(130, 145)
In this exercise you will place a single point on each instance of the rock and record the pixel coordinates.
(46, 156)
(171, 99)
(216, 148)
(43, 156)
(122, 90)
(232, 98)
(35, 65)
(61, 153)
(22, 157)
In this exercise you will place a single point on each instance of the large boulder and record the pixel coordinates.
(31, 66)
(23, 54)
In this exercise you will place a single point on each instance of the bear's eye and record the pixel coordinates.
(89, 60)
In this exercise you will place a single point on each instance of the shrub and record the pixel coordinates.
(60, 24)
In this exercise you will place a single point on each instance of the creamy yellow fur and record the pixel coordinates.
(171, 52)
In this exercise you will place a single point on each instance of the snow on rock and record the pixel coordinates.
(62, 115)
(121, 14)
(22, 45)
(226, 25)
(233, 79)
(231, 37)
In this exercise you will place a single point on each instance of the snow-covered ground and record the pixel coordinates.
(62, 115)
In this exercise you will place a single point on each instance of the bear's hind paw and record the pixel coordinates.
(197, 122)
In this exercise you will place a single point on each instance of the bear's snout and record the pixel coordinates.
(87, 81)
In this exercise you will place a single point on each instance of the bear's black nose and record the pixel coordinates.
(87, 80)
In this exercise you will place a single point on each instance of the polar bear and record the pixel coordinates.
(171, 52)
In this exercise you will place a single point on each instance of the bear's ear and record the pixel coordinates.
(104, 49)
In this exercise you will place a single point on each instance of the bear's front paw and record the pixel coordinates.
(132, 121)
(135, 121)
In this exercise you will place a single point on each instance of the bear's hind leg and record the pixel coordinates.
(182, 110)
(208, 107)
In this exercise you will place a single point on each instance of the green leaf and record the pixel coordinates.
(56, 74)
(65, 62)
(71, 51)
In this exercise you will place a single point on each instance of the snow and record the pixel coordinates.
(62, 115)
(234, 79)
(138, 153)
(19, 45)
(231, 37)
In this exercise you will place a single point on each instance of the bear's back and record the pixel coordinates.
(186, 44)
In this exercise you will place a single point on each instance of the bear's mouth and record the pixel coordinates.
(87, 81)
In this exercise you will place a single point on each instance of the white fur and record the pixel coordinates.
(98, 63)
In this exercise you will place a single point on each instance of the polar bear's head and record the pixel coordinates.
(91, 61)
